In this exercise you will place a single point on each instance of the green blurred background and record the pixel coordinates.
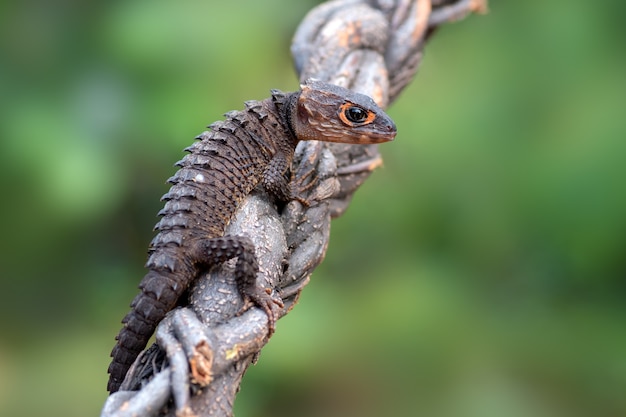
(479, 273)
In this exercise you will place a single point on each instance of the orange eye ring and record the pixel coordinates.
(353, 115)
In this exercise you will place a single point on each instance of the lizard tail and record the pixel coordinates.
(159, 294)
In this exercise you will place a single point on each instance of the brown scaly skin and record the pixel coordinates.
(251, 147)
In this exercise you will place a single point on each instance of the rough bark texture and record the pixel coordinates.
(373, 47)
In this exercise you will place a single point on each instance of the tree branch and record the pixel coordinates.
(203, 350)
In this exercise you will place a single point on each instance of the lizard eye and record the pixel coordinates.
(352, 114)
(356, 114)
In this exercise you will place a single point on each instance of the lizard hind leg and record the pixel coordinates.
(222, 249)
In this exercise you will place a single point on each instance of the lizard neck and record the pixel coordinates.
(286, 104)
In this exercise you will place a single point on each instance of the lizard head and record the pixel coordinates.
(335, 114)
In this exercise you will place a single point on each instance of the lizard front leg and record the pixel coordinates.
(276, 183)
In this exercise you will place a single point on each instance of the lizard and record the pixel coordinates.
(251, 147)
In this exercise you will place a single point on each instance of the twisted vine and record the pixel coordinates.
(202, 351)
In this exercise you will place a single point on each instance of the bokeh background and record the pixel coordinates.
(481, 272)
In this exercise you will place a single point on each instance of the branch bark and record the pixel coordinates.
(202, 351)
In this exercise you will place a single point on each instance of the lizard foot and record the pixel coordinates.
(314, 179)
(270, 303)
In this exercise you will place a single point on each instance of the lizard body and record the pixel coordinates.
(250, 147)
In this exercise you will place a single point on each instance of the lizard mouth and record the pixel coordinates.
(368, 138)
(371, 139)
(381, 135)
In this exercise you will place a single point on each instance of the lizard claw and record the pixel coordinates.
(270, 303)
(302, 200)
